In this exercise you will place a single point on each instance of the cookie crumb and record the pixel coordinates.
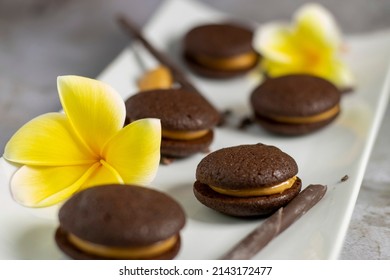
(245, 122)
(166, 160)
(344, 178)
(224, 115)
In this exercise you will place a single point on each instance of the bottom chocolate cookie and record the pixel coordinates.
(215, 73)
(291, 129)
(171, 148)
(245, 206)
(62, 240)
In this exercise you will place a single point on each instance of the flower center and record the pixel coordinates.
(113, 171)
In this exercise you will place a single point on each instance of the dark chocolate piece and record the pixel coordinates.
(245, 122)
(344, 178)
(277, 223)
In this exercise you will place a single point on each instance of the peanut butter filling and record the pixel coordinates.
(158, 78)
(141, 252)
(183, 135)
(237, 62)
(311, 119)
(257, 191)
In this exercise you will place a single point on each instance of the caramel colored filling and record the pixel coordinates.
(158, 78)
(141, 252)
(183, 135)
(311, 119)
(259, 191)
(237, 62)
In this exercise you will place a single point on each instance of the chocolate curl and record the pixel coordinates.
(178, 75)
(276, 223)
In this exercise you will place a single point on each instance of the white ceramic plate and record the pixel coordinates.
(343, 148)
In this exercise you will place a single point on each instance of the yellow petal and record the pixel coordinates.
(95, 110)
(47, 140)
(338, 73)
(316, 27)
(101, 176)
(135, 151)
(276, 68)
(45, 186)
(275, 42)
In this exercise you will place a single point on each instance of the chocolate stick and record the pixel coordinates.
(276, 223)
(178, 75)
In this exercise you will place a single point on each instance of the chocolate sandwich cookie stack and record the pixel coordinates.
(295, 104)
(220, 50)
(187, 120)
(247, 180)
(120, 222)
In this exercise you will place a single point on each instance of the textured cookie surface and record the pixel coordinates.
(176, 108)
(218, 40)
(246, 166)
(294, 95)
(118, 215)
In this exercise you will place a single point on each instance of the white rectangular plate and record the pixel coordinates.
(343, 148)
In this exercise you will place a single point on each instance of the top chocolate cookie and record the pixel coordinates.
(176, 108)
(249, 166)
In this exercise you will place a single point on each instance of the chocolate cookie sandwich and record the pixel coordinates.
(120, 222)
(295, 104)
(221, 50)
(187, 119)
(247, 180)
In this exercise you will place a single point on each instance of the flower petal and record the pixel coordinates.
(316, 26)
(95, 110)
(275, 42)
(47, 140)
(275, 68)
(135, 151)
(339, 74)
(101, 176)
(45, 186)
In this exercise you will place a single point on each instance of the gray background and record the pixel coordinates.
(41, 39)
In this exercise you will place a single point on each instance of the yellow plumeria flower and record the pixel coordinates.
(311, 45)
(87, 145)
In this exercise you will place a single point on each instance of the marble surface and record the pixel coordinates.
(41, 39)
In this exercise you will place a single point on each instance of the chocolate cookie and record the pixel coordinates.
(247, 180)
(221, 50)
(295, 104)
(187, 120)
(120, 222)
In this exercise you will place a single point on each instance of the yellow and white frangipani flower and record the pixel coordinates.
(87, 145)
(312, 44)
